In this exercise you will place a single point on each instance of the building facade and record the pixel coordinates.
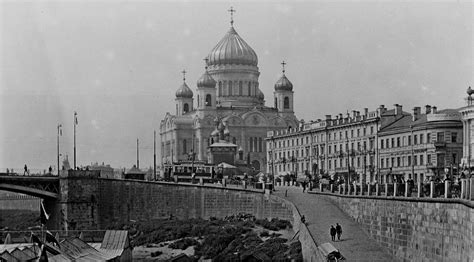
(467, 118)
(343, 146)
(421, 146)
(370, 146)
(227, 92)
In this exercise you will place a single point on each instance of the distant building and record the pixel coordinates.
(421, 145)
(135, 173)
(106, 171)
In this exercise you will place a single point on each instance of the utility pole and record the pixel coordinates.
(59, 133)
(154, 154)
(138, 159)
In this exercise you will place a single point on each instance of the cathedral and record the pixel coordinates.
(227, 99)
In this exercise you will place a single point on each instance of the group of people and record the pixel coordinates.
(335, 231)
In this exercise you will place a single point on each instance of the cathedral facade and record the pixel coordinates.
(227, 92)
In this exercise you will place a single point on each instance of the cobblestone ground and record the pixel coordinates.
(320, 214)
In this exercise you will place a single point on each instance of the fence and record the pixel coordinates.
(90, 236)
(463, 189)
(230, 183)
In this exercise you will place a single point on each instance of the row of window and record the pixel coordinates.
(418, 160)
(319, 150)
(296, 167)
(353, 133)
(416, 139)
(320, 138)
(358, 162)
(230, 88)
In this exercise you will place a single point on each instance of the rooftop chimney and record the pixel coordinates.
(381, 110)
(328, 117)
(366, 111)
(427, 109)
(354, 113)
(434, 109)
(398, 109)
(416, 113)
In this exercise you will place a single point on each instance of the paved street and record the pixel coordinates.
(320, 214)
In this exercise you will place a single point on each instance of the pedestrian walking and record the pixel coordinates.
(338, 231)
(332, 231)
(26, 170)
(304, 186)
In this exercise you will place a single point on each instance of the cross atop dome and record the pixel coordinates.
(231, 11)
(283, 66)
(184, 75)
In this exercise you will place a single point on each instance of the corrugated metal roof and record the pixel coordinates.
(115, 239)
(79, 250)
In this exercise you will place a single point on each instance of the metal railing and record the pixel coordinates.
(462, 189)
(24, 236)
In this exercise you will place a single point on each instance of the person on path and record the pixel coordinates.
(338, 231)
(26, 170)
(304, 186)
(332, 231)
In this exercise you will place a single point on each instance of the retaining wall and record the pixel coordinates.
(415, 229)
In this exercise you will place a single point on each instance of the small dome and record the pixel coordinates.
(184, 91)
(283, 84)
(206, 80)
(232, 49)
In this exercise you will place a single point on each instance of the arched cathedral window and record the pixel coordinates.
(186, 108)
(286, 103)
(230, 88)
(220, 88)
(240, 88)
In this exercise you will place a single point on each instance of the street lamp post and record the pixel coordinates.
(154, 154)
(75, 124)
(59, 133)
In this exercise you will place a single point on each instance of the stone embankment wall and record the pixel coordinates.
(415, 229)
(121, 201)
(89, 202)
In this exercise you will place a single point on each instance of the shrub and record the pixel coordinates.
(183, 243)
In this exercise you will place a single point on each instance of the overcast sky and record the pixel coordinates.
(118, 65)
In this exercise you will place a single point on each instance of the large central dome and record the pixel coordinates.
(232, 49)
